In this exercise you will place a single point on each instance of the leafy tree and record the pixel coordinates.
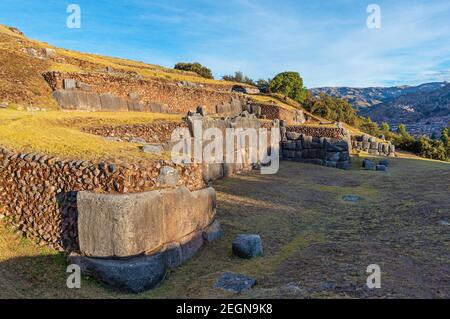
(385, 127)
(238, 77)
(401, 129)
(289, 84)
(331, 108)
(263, 85)
(195, 67)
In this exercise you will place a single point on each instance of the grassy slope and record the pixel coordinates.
(58, 133)
(312, 238)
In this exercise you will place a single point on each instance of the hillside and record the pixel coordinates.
(422, 113)
(423, 108)
(367, 97)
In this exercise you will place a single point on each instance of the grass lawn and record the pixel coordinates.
(58, 133)
(316, 244)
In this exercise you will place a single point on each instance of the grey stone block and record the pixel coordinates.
(153, 149)
(333, 156)
(168, 177)
(344, 156)
(83, 86)
(368, 164)
(173, 255)
(111, 225)
(134, 275)
(113, 103)
(298, 154)
(384, 162)
(247, 246)
(191, 246)
(292, 136)
(77, 100)
(235, 282)
(213, 232)
(306, 141)
(69, 84)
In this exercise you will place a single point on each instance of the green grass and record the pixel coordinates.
(59, 133)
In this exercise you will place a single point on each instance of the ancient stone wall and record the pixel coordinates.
(373, 146)
(38, 193)
(116, 92)
(317, 131)
(156, 132)
(274, 112)
(324, 151)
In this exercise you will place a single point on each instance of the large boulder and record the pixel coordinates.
(111, 225)
(247, 246)
(134, 275)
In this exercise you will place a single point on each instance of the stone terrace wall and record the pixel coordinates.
(178, 98)
(317, 131)
(157, 132)
(274, 112)
(371, 145)
(38, 193)
(324, 151)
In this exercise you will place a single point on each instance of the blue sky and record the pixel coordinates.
(327, 41)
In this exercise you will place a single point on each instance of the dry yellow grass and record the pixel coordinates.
(58, 133)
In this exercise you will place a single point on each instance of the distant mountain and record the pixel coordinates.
(421, 112)
(370, 96)
(424, 109)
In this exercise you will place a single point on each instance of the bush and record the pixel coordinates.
(195, 67)
(263, 85)
(423, 146)
(333, 109)
(238, 77)
(289, 84)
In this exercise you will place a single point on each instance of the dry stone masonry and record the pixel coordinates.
(120, 92)
(371, 145)
(326, 151)
(38, 193)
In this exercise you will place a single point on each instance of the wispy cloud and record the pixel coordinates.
(326, 41)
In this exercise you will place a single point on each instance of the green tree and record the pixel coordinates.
(385, 127)
(238, 77)
(401, 129)
(263, 85)
(195, 67)
(289, 84)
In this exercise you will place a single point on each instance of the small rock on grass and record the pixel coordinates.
(351, 198)
(384, 162)
(247, 246)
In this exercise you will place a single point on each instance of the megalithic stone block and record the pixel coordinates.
(111, 225)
